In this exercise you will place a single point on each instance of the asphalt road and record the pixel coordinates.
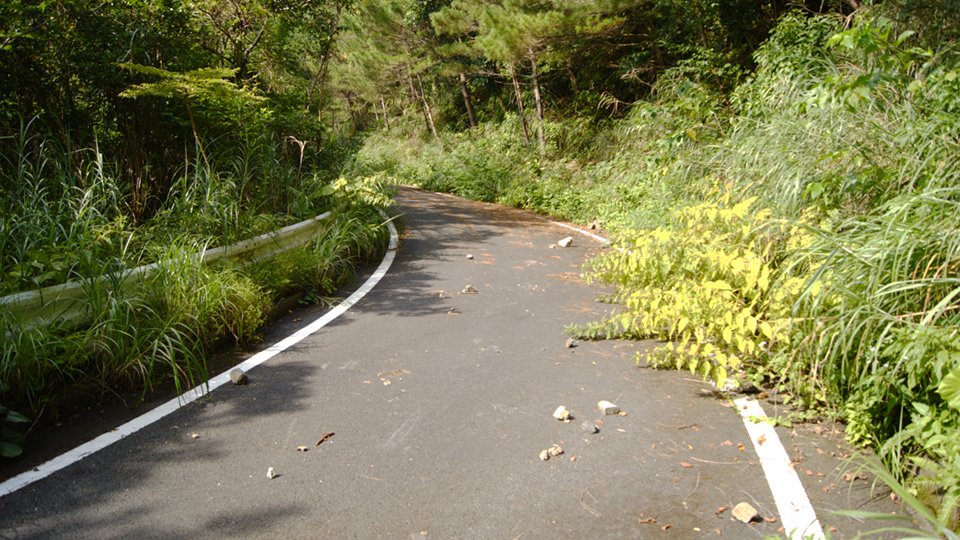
(440, 403)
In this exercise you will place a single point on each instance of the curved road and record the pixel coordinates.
(440, 403)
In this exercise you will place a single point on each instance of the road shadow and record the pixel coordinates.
(110, 490)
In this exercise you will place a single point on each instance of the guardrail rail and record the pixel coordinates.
(66, 302)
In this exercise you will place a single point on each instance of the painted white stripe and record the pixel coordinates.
(140, 422)
(797, 515)
(596, 237)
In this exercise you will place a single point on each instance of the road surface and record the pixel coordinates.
(440, 401)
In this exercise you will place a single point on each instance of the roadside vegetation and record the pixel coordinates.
(780, 179)
(781, 182)
(134, 133)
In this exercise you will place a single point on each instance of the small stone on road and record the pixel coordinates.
(238, 377)
(553, 451)
(589, 427)
(745, 512)
(608, 408)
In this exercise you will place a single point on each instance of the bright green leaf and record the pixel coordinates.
(949, 389)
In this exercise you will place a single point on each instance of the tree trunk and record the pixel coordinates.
(416, 99)
(573, 78)
(383, 106)
(426, 109)
(541, 141)
(321, 77)
(516, 91)
(193, 127)
(353, 112)
(466, 100)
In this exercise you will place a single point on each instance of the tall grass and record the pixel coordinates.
(61, 202)
(165, 331)
(70, 216)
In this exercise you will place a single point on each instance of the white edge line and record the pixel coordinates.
(596, 237)
(64, 460)
(796, 513)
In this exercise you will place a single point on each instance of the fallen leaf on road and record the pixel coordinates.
(721, 510)
(324, 437)
(741, 447)
(686, 465)
(727, 443)
(666, 527)
(301, 449)
(761, 439)
(194, 435)
(850, 477)
(646, 521)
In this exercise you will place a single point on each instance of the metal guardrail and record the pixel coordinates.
(66, 302)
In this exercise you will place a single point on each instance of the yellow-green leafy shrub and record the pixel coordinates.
(704, 285)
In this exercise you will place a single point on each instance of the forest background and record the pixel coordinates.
(780, 179)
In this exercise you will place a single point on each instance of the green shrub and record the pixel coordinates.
(708, 287)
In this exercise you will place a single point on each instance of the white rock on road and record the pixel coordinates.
(608, 408)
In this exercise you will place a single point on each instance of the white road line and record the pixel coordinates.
(796, 513)
(596, 237)
(46, 469)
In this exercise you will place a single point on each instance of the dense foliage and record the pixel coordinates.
(784, 206)
(142, 131)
